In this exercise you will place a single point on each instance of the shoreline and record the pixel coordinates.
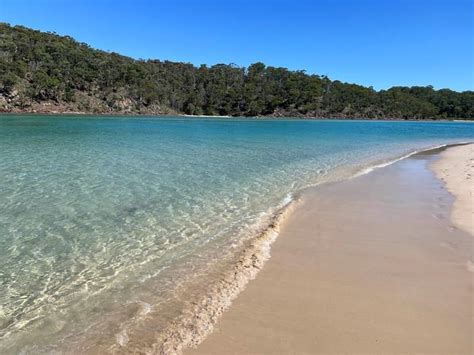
(196, 324)
(455, 169)
(191, 329)
(270, 117)
(215, 340)
(200, 317)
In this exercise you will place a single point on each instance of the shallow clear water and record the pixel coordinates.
(104, 219)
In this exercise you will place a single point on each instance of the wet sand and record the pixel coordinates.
(369, 265)
(456, 169)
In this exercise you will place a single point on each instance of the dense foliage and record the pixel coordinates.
(44, 71)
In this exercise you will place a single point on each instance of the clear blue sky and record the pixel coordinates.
(371, 42)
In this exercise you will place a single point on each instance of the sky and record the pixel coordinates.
(379, 43)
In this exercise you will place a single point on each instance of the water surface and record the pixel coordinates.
(104, 221)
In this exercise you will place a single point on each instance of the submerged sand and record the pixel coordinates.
(369, 265)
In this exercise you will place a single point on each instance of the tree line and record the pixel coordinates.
(41, 70)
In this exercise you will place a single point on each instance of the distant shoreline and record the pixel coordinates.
(164, 115)
(110, 83)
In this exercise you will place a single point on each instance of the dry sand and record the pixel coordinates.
(369, 265)
(455, 168)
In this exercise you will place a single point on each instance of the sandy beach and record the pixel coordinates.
(455, 169)
(381, 263)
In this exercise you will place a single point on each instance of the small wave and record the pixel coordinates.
(286, 201)
(393, 161)
(192, 328)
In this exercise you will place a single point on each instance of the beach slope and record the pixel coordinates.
(455, 168)
(369, 265)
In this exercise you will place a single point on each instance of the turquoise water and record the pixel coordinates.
(104, 222)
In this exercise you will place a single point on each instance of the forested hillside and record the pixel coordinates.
(45, 72)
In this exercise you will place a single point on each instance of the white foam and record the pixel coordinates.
(190, 329)
(286, 201)
(393, 161)
(122, 338)
(146, 308)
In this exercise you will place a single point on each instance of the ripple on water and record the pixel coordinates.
(105, 222)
